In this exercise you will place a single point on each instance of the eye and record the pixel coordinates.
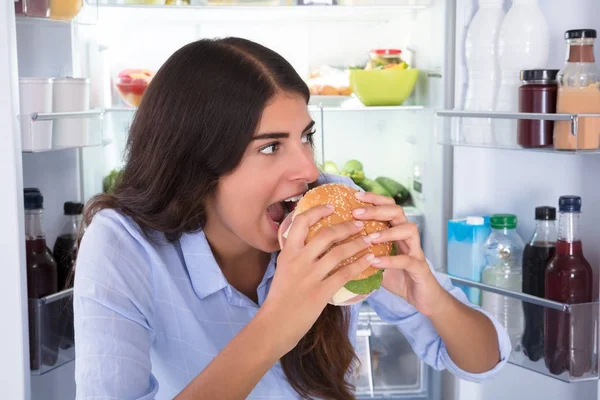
(270, 148)
(309, 137)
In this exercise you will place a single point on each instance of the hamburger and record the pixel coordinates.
(343, 198)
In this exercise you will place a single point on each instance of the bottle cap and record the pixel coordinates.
(33, 199)
(580, 34)
(503, 221)
(569, 203)
(73, 208)
(545, 213)
(475, 221)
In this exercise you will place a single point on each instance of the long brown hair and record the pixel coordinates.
(196, 119)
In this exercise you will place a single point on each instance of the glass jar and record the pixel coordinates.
(379, 58)
(537, 94)
(578, 93)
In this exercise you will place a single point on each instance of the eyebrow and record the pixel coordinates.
(280, 135)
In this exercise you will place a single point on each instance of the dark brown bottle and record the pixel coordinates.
(537, 95)
(41, 278)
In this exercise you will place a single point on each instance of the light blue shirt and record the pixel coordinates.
(149, 317)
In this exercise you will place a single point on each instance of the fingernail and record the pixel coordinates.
(360, 224)
(359, 194)
(366, 239)
(359, 211)
(370, 257)
(376, 261)
(374, 235)
(330, 206)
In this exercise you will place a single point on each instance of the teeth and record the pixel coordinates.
(293, 199)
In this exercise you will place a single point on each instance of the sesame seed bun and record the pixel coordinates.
(343, 198)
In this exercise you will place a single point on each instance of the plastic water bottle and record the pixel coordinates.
(504, 254)
(523, 44)
(482, 68)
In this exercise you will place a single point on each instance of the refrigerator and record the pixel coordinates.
(417, 144)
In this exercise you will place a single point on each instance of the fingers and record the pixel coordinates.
(403, 262)
(375, 199)
(340, 253)
(331, 235)
(386, 212)
(347, 273)
(407, 235)
(302, 222)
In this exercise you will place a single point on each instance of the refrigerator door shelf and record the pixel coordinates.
(577, 322)
(461, 121)
(51, 334)
(388, 366)
(42, 132)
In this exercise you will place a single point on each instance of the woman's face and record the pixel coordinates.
(278, 165)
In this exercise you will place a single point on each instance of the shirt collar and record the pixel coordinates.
(205, 274)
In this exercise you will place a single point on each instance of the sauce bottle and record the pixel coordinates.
(578, 93)
(569, 279)
(538, 252)
(64, 247)
(41, 274)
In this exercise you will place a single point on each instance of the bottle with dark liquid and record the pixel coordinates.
(41, 276)
(64, 247)
(569, 279)
(538, 252)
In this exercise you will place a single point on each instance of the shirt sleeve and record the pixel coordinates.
(422, 336)
(112, 304)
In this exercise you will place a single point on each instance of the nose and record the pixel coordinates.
(303, 167)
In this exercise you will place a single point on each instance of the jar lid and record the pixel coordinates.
(581, 34)
(545, 213)
(502, 221)
(72, 208)
(35, 80)
(381, 52)
(539, 75)
(70, 80)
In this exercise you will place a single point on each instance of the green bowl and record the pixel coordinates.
(384, 87)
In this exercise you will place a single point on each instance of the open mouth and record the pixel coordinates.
(281, 209)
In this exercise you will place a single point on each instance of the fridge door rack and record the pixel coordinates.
(584, 317)
(41, 132)
(51, 333)
(453, 135)
(383, 351)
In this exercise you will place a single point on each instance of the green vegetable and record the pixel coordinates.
(367, 285)
(374, 187)
(393, 187)
(110, 181)
(331, 168)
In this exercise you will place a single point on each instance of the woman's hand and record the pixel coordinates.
(302, 286)
(407, 273)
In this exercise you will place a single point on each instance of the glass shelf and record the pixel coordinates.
(498, 130)
(410, 4)
(580, 318)
(40, 11)
(42, 132)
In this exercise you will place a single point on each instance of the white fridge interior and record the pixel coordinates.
(407, 143)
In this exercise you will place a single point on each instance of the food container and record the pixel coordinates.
(537, 95)
(35, 96)
(71, 95)
(65, 10)
(132, 83)
(382, 58)
(33, 8)
(388, 87)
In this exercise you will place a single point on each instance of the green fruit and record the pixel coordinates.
(352, 166)
(374, 187)
(110, 181)
(367, 285)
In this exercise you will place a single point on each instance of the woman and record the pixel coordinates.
(181, 291)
